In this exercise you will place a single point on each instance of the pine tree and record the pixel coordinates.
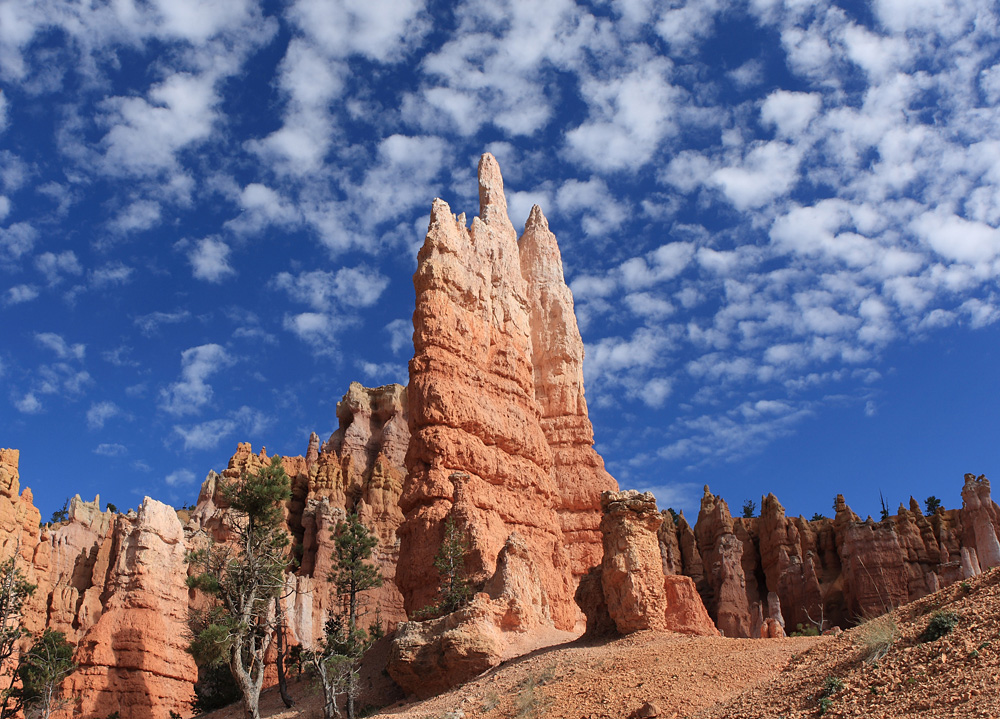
(41, 670)
(14, 592)
(450, 563)
(244, 575)
(345, 642)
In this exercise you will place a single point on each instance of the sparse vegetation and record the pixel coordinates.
(455, 591)
(60, 515)
(244, 576)
(803, 631)
(41, 670)
(749, 509)
(673, 515)
(530, 702)
(345, 642)
(817, 517)
(831, 686)
(877, 636)
(931, 504)
(966, 587)
(940, 624)
(111, 508)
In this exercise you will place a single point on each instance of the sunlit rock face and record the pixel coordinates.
(134, 659)
(557, 364)
(478, 451)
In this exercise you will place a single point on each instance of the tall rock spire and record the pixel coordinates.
(557, 361)
(477, 450)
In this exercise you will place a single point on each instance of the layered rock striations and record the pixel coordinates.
(477, 450)
(133, 660)
(557, 362)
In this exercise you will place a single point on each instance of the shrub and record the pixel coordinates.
(832, 685)
(877, 636)
(804, 631)
(824, 705)
(941, 623)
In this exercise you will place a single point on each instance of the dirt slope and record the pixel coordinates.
(957, 675)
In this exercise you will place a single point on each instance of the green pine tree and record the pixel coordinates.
(450, 564)
(345, 642)
(244, 575)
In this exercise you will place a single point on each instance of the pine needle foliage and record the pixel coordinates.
(15, 590)
(450, 564)
(244, 576)
(345, 642)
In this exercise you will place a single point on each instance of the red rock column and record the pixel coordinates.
(472, 408)
(557, 359)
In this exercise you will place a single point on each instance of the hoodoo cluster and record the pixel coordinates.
(491, 436)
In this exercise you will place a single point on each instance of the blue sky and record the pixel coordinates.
(779, 221)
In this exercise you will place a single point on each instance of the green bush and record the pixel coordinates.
(804, 631)
(941, 623)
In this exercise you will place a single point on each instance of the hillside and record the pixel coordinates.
(957, 675)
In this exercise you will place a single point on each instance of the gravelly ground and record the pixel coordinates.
(957, 675)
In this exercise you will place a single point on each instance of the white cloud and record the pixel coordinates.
(57, 344)
(210, 260)
(262, 207)
(180, 477)
(16, 240)
(28, 404)
(145, 135)
(601, 211)
(769, 170)
(191, 393)
(790, 112)
(111, 450)
(685, 26)
(208, 435)
(101, 412)
(54, 266)
(400, 335)
(4, 203)
(3, 118)
(349, 286)
(21, 293)
(137, 216)
(958, 239)
(149, 324)
(115, 273)
(630, 116)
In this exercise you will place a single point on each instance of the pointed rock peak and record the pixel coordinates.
(536, 220)
(770, 505)
(492, 202)
(440, 211)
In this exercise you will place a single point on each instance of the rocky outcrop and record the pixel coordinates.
(432, 656)
(133, 660)
(630, 591)
(722, 554)
(632, 570)
(788, 558)
(477, 446)
(557, 362)
(981, 517)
